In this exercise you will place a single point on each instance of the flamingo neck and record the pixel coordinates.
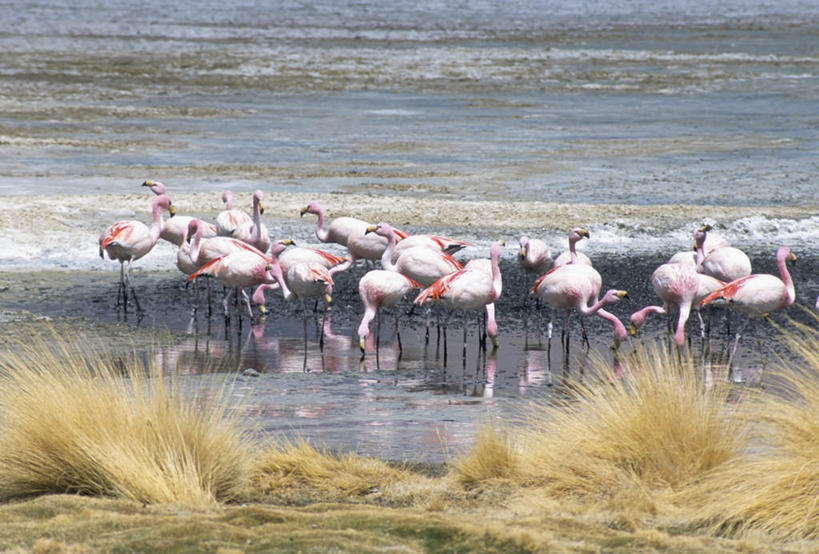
(386, 257)
(156, 227)
(620, 333)
(682, 317)
(364, 326)
(497, 281)
(790, 290)
(321, 233)
(257, 224)
(276, 273)
(196, 244)
(594, 308)
(572, 251)
(227, 198)
(639, 317)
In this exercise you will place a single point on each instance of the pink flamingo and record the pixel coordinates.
(339, 230)
(237, 271)
(424, 265)
(468, 289)
(572, 255)
(676, 284)
(573, 286)
(534, 256)
(255, 233)
(292, 257)
(204, 250)
(129, 240)
(433, 242)
(379, 288)
(725, 263)
(757, 295)
(175, 230)
(230, 220)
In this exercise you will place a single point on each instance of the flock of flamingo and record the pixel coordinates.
(237, 251)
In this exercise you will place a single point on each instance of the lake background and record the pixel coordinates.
(638, 120)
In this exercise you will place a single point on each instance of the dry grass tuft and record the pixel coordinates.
(492, 457)
(775, 488)
(301, 471)
(618, 444)
(73, 420)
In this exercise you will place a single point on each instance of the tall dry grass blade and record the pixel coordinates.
(74, 420)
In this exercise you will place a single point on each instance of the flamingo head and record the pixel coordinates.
(193, 228)
(155, 186)
(613, 295)
(700, 234)
(277, 247)
(227, 198)
(636, 321)
(257, 200)
(258, 299)
(311, 208)
(784, 253)
(382, 228)
(496, 249)
(578, 233)
(163, 202)
(524, 246)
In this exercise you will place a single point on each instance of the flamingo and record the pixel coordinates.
(421, 264)
(468, 289)
(567, 287)
(230, 220)
(534, 256)
(572, 255)
(676, 284)
(175, 230)
(758, 294)
(237, 271)
(379, 288)
(129, 240)
(293, 256)
(725, 263)
(434, 242)
(339, 230)
(255, 233)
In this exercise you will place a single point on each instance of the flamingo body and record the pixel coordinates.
(231, 220)
(379, 288)
(534, 256)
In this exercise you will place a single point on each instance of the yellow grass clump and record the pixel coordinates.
(300, 469)
(73, 420)
(775, 487)
(620, 442)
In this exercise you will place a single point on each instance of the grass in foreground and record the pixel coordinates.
(73, 421)
(654, 462)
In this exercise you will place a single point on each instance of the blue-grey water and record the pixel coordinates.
(647, 104)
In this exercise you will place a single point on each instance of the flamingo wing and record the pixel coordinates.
(438, 288)
(727, 292)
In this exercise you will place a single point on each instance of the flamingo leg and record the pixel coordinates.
(121, 284)
(398, 335)
(466, 319)
(377, 337)
(584, 334)
(564, 338)
(133, 291)
(247, 303)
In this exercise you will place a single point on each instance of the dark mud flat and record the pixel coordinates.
(412, 406)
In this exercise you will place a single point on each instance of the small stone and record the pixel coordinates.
(250, 372)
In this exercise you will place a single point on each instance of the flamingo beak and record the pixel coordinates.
(288, 242)
(622, 294)
(632, 330)
(328, 299)
(147, 183)
(361, 344)
(262, 309)
(584, 233)
(522, 252)
(495, 343)
(793, 258)
(371, 229)
(261, 208)
(502, 242)
(303, 211)
(172, 210)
